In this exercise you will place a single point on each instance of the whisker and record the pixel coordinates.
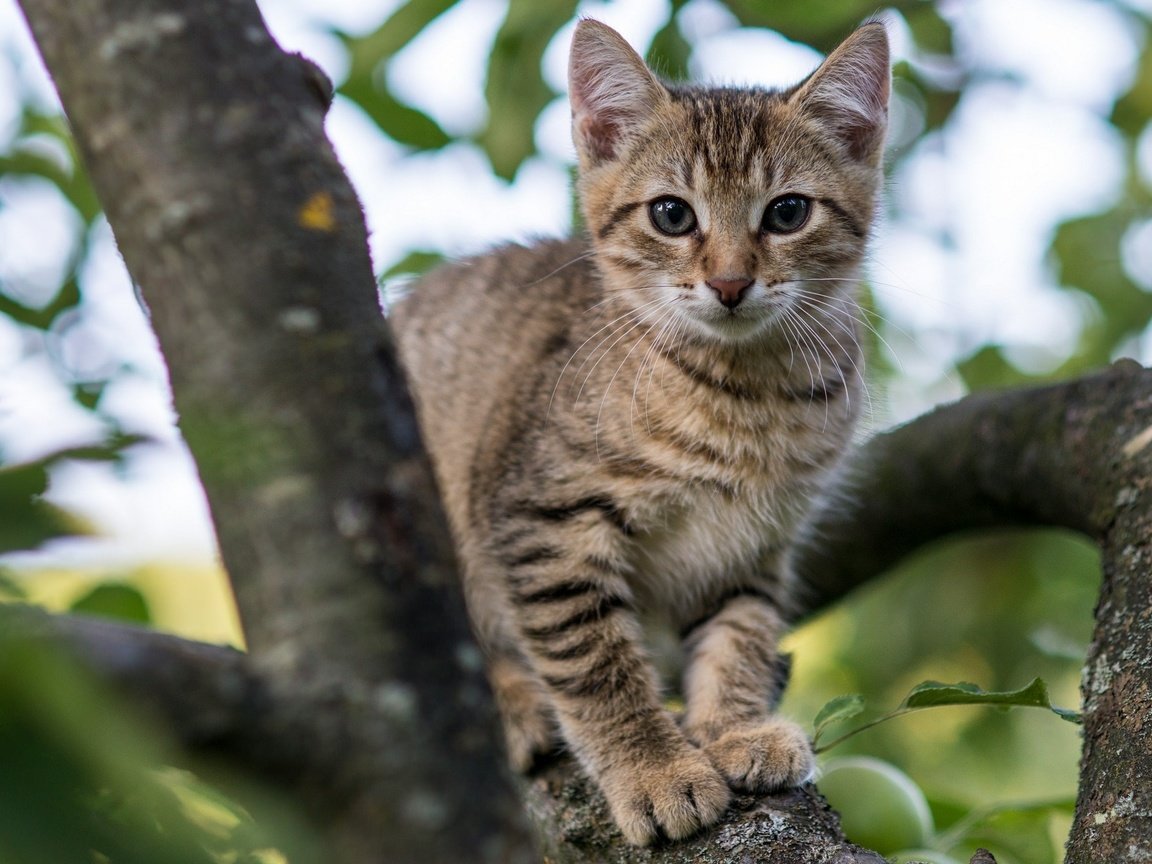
(791, 320)
(648, 360)
(582, 257)
(629, 314)
(635, 321)
(608, 387)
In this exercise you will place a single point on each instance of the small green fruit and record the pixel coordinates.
(880, 806)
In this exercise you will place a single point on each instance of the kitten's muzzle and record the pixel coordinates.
(729, 291)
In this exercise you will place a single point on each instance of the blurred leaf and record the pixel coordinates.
(930, 30)
(71, 180)
(42, 318)
(89, 393)
(401, 27)
(515, 89)
(1017, 828)
(367, 84)
(668, 54)
(402, 123)
(837, 710)
(987, 368)
(1087, 252)
(1132, 110)
(76, 784)
(932, 694)
(417, 261)
(26, 520)
(114, 600)
(821, 25)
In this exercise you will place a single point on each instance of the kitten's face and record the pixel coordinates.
(727, 212)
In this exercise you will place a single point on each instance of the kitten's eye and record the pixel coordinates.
(672, 216)
(786, 214)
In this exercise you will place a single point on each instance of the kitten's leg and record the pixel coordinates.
(729, 686)
(582, 637)
(529, 725)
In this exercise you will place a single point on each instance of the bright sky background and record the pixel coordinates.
(965, 266)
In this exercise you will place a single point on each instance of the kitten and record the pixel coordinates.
(635, 422)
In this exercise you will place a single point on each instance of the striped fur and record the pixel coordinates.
(614, 443)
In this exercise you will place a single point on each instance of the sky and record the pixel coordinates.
(964, 266)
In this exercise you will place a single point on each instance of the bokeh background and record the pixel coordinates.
(1015, 247)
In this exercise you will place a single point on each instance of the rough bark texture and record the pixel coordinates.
(205, 143)
(361, 692)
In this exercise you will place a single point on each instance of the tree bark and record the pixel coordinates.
(205, 143)
(361, 691)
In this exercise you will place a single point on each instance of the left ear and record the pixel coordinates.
(848, 93)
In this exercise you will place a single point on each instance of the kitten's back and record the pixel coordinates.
(476, 337)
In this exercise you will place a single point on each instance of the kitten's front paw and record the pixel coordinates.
(677, 797)
(774, 755)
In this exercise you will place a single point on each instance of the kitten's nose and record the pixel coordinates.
(729, 291)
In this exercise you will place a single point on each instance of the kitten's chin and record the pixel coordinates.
(741, 325)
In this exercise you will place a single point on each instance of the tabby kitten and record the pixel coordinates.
(632, 425)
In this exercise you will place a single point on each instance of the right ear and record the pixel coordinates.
(610, 89)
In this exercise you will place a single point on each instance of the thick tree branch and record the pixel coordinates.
(204, 694)
(205, 143)
(1075, 455)
(1038, 456)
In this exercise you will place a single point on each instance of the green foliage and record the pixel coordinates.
(27, 521)
(515, 99)
(83, 779)
(932, 694)
(367, 81)
(114, 600)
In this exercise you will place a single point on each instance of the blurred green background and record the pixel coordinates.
(84, 413)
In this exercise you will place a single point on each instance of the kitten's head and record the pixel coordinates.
(727, 209)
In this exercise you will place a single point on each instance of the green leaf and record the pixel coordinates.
(367, 83)
(838, 710)
(515, 89)
(114, 600)
(71, 180)
(43, 317)
(415, 262)
(668, 54)
(27, 521)
(89, 393)
(821, 25)
(367, 52)
(1088, 257)
(931, 694)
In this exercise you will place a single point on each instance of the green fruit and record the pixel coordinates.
(880, 807)
(922, 856)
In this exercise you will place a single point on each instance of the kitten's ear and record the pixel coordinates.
(611, 91)
(849, 92)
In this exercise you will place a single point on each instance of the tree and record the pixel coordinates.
(297, 413)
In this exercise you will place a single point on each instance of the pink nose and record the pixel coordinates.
(729, 291)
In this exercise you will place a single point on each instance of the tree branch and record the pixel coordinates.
(1076, 455)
